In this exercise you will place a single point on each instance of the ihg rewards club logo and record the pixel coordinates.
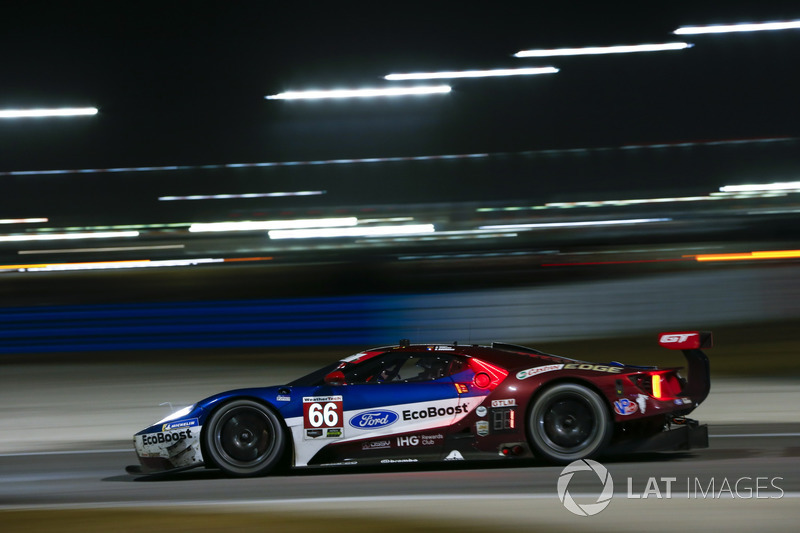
(599, 480)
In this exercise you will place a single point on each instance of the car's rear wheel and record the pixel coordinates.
(244, 438)
(568, 422)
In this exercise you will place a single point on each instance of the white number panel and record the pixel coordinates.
(323, 417)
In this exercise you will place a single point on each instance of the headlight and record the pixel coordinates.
(178, 414)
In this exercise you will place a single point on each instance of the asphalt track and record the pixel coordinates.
(749, 478)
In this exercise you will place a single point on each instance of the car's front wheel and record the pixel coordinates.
(568, 422)
(244, 438)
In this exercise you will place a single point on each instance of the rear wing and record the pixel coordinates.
(692, 343)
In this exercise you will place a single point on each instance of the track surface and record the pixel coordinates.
(97, 477)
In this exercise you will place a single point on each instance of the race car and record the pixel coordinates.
(412, 403)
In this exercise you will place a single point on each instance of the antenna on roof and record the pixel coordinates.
(405, 343)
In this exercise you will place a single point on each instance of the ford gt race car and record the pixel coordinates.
(439, 402)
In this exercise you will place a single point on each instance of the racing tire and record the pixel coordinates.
(568, 422)
(244, 438)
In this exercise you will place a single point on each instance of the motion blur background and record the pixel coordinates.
(195, 231)
(616, 195)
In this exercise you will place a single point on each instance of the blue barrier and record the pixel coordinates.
(584, 309)
(203, 324)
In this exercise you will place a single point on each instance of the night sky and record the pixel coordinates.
(183, 83)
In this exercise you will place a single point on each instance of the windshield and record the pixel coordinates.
(316, 377)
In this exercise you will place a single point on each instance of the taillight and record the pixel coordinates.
(656, 386)
(660, 384)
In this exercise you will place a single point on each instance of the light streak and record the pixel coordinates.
(396, 159)
(54, 112)
(267, 225)
(408, 229)
(68, 236)
(602, 50)
(543, 225)
(741, 27)
(359, 93)
(472, 73)
(240, 196)
(748, 256)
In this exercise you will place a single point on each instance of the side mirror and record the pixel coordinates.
(335, 378)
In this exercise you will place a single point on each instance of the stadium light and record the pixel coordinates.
(742, 27)
(358, 93)
(471, 73)
(56, 112)
(600, 50)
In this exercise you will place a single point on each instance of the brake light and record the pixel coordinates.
(657, 386)
(661, 384)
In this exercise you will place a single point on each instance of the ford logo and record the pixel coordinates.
(374, 419)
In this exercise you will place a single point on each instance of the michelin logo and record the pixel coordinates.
(179, 424)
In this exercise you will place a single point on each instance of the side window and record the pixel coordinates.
(427, 367)
(399, 367)
(457, 364)
(379, 369)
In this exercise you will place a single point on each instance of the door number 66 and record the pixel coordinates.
(323, 415)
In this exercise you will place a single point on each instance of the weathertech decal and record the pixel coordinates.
(537, 370)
